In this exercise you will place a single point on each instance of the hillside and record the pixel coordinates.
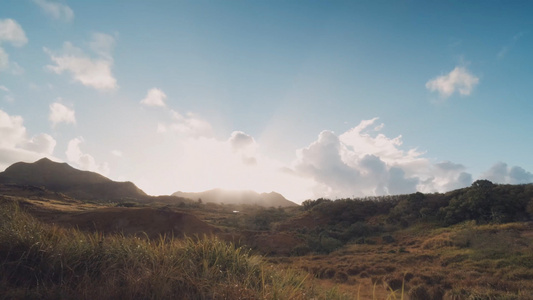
(221, 196)
(60, 177)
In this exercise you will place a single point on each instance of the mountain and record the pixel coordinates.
(238, 197)
(60, 177)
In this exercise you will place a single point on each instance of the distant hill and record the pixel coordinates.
(238, 197)
(60, 177)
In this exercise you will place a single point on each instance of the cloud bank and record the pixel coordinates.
(364, 162)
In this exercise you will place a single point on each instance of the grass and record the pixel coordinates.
(42, 261)
(464, 261)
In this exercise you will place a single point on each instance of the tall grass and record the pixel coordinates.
(45, 261)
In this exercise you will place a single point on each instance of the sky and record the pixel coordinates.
(306, 98)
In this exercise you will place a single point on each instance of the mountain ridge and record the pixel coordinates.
(220, 196)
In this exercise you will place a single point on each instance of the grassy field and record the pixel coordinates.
(41, 261)
(55, 247)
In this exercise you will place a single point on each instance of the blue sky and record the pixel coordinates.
(307, 98)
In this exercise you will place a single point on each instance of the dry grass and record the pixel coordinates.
(465, 261)
(44, 261)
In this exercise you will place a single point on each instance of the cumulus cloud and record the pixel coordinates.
(3, 88)
(459, 79)
(89, 71)
(189, 125)
(245, 145)
(15, 145)
(501, 173)
(154, 97)
(59, 113)
(83, 160)
(12, 33)
(56, 10)
(364, 162)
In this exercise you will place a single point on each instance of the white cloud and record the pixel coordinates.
(56, 10)
(459, 79)
(15, 145)
(59, 113)
(501, 173)
(363, 162)
(12, 130)
(10, 31)
(189, 125)
(3, 88)
(92, 72)
(83, 160)
(154, 97)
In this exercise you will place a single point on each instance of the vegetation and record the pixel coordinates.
(471, 243)
(44, 261)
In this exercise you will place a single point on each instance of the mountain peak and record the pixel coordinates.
(47, 161)
(61, 177)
